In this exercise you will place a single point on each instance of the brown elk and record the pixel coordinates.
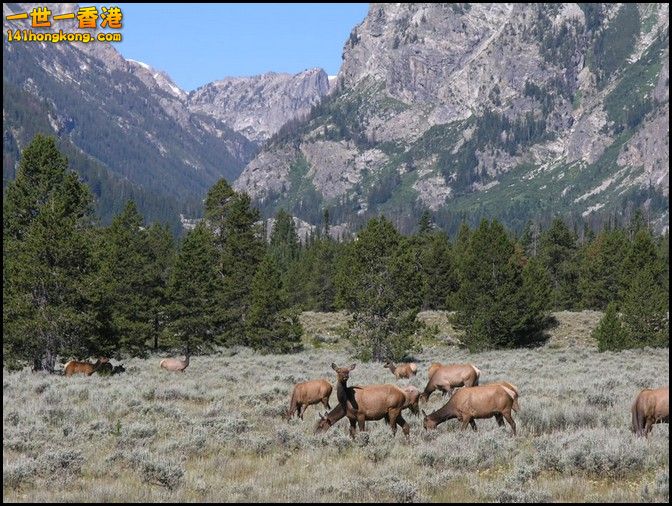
(513, 392)
(76, 367)
(402, 370)
(469, 403)
(175, 364)
(306, 394)
(411, 393)
(372, 402)
(650, 406)
(447, 377)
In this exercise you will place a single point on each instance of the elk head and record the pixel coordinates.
(342, 373)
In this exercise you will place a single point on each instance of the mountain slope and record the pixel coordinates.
(471, 110)
(133, 123)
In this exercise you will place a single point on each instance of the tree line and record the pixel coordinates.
(73, 288)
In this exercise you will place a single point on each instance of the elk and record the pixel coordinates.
(650, 406)
(175, 364)
(469, 403)
(513, 393)
(306, 394)
(371, 402)
(75, 367)
(108, 369)
(402, 370)
(328, 419)
(447, 377)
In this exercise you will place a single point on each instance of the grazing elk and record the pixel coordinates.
(108, 369)
(469, 403)
(372, 402)
(447, 377)
(328, 419)
(75, 367)
(402, 370)
(175, 364)
(306, 394)
(650, 406)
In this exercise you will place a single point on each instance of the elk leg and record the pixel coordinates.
(353, 424)
(465, 423)
(362, 424)
(648, 426)
(405, 427)
(302, 410)
(393, 415)
(507, 415)
(325, 402)
(500, 419)
(472, 423)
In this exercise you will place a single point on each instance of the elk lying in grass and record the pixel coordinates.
(650, 406)
(372, 402)
(447, 377)
(402, 370)
(175, 364)
(75, 367)
(469, 403)
(307, 393)
(411, 393)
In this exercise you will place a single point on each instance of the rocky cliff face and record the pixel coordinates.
(258, 106)
(143, 134)
(509, 110)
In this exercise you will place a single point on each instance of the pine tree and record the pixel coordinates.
(495, 300)
(558, 252)
(126, 271)
(376, 281)
(240, 248)
(601, 282)
(284, 240)
(194, 292)
(609, 333)
(645, 310)
(435, 258)
(271, 327)
(47, 261)
(162, 256)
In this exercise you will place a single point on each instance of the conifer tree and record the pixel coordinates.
(495, 301)
(194, 292)
(376, 280)
(271, 326)
(558, 252)
(47, 261)
(126, 272)
(240, 247)
(645, 310)
(609, 333)
(601, 282)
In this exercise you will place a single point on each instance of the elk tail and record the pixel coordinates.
(637, 425)
(515, 405)
(292, 406)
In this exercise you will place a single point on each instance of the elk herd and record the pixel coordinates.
(468, 400)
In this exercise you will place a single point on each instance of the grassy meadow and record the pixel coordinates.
(215, 433)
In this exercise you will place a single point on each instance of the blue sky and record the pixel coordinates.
(199, 43)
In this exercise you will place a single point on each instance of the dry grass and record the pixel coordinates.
(215, 433)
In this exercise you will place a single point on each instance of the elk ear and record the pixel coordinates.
(333, 366)
(352, 367)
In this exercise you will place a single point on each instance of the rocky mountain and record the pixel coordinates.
(129, 130)
(258, 106)
(519, 111)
